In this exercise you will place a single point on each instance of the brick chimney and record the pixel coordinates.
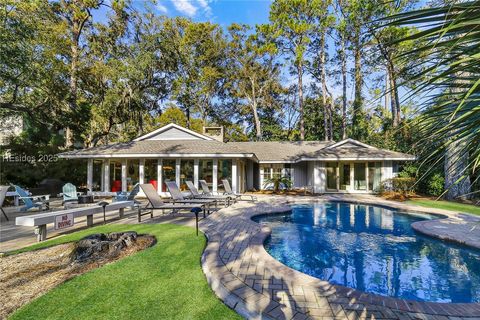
(214, 132)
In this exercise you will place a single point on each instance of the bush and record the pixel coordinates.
(435, 185)
(398, 188)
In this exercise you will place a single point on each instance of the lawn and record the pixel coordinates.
(162, 282)
(447, 205)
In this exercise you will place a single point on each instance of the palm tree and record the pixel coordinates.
(449, 39)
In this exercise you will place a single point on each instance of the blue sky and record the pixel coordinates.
(223, 12)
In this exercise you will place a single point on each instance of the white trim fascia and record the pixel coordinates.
(339, 159)
(159, 155)
(348, 140)
(169, 126)
(360, 159)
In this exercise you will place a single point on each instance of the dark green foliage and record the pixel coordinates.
(435, 185)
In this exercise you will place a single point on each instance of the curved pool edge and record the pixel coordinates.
(246, 278)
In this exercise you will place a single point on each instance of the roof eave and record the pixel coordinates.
(158, 155)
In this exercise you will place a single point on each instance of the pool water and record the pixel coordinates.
(373, 249)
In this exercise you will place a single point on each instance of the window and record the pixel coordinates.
(115, 176)
(374, 175)
(168, 172)
(344, 176)
(359, 176)
(97, 182)
(186, 173)
(132, 173)
(205, 170)
(224, 172)
(150, 170)
(331, 175)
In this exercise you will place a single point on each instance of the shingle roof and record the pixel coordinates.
(159, 147)
(281, 150)
(264, 151)
(292, 151)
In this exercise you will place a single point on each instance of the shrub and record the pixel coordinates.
(398, 188)
(278, 183)
(435, 185)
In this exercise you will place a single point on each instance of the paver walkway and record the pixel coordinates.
(256, 285)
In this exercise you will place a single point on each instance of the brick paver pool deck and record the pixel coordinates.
(257, 286)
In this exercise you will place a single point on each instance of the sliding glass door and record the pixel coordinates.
(359, 176)
(332, 176)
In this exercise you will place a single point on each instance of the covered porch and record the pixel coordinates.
(121, 174)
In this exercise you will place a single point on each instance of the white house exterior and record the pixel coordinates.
(176, 153)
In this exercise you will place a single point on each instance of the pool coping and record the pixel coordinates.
(246, 278)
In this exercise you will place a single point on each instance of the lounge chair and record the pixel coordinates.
(69, 194)
(205, 188)
(177, 196)
(3, 193)
(229, 191)
(33, 201)
(197, 195)
(128, 196)
(156, 203)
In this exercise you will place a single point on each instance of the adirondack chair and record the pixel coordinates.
(3, 193)
(69, 192)
(33, 201)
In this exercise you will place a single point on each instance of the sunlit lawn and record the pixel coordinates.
(162, 282)
(447, 205)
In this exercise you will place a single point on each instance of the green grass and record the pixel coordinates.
(162, 282)
(447, 205)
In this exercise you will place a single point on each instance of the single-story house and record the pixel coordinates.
(179, 154)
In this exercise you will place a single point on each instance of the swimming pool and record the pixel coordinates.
(373, 249)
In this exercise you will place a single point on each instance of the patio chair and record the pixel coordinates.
(156, 203)
(177, 196)
(229, 191)
(128, 196)
(205, 188)
(197, 195)
(3, 193)
(69, 194)
(32, 201)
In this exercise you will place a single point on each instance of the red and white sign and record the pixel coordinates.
(64, 221)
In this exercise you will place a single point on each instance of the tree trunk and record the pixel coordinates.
(256, 118)
(457, 180)
(343, 57)
(300, 100)
(394, 100)
(387, 91)
(187, 114)
(258, 125)
(330, 118)
(357, 103)
(324, 87)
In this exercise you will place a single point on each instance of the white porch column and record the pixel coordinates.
(89, 175)
(177, 172)
(102, 176)
(106, 175)
(215, 176)
(195, 172)
(234, 176)
(159, 176)
(261, 169)
(319, 177)
(366, 176)
(141, 171)
(124, 175)
(352, 178)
